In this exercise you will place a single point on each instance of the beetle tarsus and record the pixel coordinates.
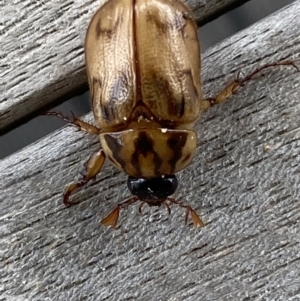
(92, 168)
(58, 115)
(260, 69)
(112, 218)
(197, 221)
(194, 216)
(69, 191)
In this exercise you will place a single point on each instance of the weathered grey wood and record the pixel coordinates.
(41, 53)
(244, 182)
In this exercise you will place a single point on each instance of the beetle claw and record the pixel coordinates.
(197, 221)
(112, 218)
(68, 192)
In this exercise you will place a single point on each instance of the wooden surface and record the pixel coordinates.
(41, 54)
(244, 182)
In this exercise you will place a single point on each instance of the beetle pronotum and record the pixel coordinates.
(143, 67)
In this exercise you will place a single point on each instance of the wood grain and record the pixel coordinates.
(41, 53)
(244, 182)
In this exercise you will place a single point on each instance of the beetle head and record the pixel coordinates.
(154, 191)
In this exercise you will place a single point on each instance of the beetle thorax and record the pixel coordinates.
(149, 152)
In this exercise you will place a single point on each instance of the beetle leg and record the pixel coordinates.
(112, 218)
(233, 87)
(78, 123)
(189, 211)
(168, 207)
(92, 168)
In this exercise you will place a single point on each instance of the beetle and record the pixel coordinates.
(143, 68)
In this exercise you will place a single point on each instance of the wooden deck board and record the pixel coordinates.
(244, 182)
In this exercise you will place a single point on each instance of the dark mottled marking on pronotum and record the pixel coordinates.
(176, 144)
(144, 145)
(115, 146)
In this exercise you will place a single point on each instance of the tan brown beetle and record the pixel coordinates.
(143, 67)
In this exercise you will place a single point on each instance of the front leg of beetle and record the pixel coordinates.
(92, 168)
(234, 86)
(112, 218)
